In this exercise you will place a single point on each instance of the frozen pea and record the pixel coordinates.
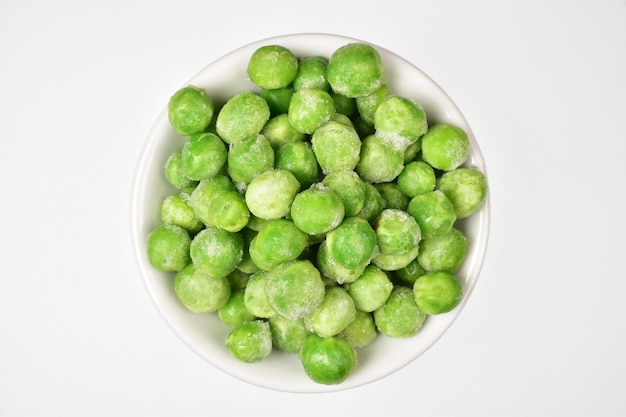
(411, 272)
(433, 211)
(175, 210)
(270, 194)
(397, 232)
(190, 110)
(216, 251)
(334, 314)
(288, 335)
(373, 204)
(337, 147)
(333, 270)
(352, 243)
(361, 331)
(371, 289)
(380, 162)
(168, 248)
(299, 159)
(228, 211)
(175, 174)
(393, 262)
(204, 193)
(243, 115)
(249, 157)
(437, 292)
(272, 66)
(362, 127)
(349, 187)
(443, 251)
(295, 289)
(203, 156)
(279, 241)
(400, 122)
(342, 118)
(246, 265)
(317, 210)
(234, 312)
(355, 70)
(393, 196)
(311, 74)
(399, 317)
(466, 188)
(445, 146)
(255, 297)
(367, 105)
(278, 131)
(343, 105)
(309, 109)
(277, 99)
(327, 360)
(238, 279)
(200, 291)
(250, 341)
(410, 153)
(256, 223)
(416, 178)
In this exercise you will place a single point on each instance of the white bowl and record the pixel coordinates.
(204, 333)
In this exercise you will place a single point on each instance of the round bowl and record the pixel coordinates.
(204, 333)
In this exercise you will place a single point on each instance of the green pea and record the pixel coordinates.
(175, 174)
(443, 251)
(397, 232)
(279, 241)
(362, 127)
(400, 122)
(355, 70)
(249, 157)
(203, 156)
(228, 211)
(272, 66)
(288, 335)
(255, 298)
(361, 331)
(367, 105)
(216, 251)
(242, 116)
(399, 317)
(295, 289)
(445, 147)
(277, 99)
(350, 189)
(416, 178)
(309, 109)
(175, 210)
(247, 265)
(190, 110)
(234, 312)
(371, 289)
(238, 279)
(352, 243)
(334, 314)
(374, 203)
(433, 211)
(392, 195)
(250, 341)
(299, 159)
(311, 74)
(437, 292)
(317, 210)
(204, 193)
(379, 161)
(327, 360)
(344, 105)
(168, 248)
(278, 131)
(466, 188)
(270, 194)
(411, 272)
(332, 269)
(395, 261)
(200, 291)
(336, 146)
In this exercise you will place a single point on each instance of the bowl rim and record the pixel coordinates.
(138, 195)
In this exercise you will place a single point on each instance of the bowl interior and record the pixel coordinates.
(204, 333)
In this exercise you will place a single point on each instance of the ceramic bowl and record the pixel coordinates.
(204, 333)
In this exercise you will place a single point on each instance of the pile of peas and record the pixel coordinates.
(316, 213)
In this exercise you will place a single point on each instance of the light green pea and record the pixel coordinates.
(399, 317)
(393, 262)
(393, 196)
(250, 341)
(397, 232)
(175, 174)
(242, 116)
(234, 312)
(299, 159)
(352, 243)
(203, 156)
(437, 292)
(400, 122)
(190, 110)
(349, 187)
(466, 188)
(411, 272)
(309, 109)
(278, 131)
(317, 210)
(433, 211)
(327, 360)
(204, 193)
(367, 105)
(311, 74)
(374, 203)
(337, 147)
(416, 178)
(361, 331)
(255, 298)
(270, 194)
(379, 161)
(371, 289)
(228, 211)
(333, 270)
(175, 210)
(277, 99)
(355, 70)
(288, 335)
(249, 157)
(334, 314)
(344, 105)
(272, 66)
(168, 248)
(216, 251)
(200, 291)
(445, 146)
(443, 251)
(279, 241)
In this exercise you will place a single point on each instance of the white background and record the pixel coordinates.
(543, 85)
